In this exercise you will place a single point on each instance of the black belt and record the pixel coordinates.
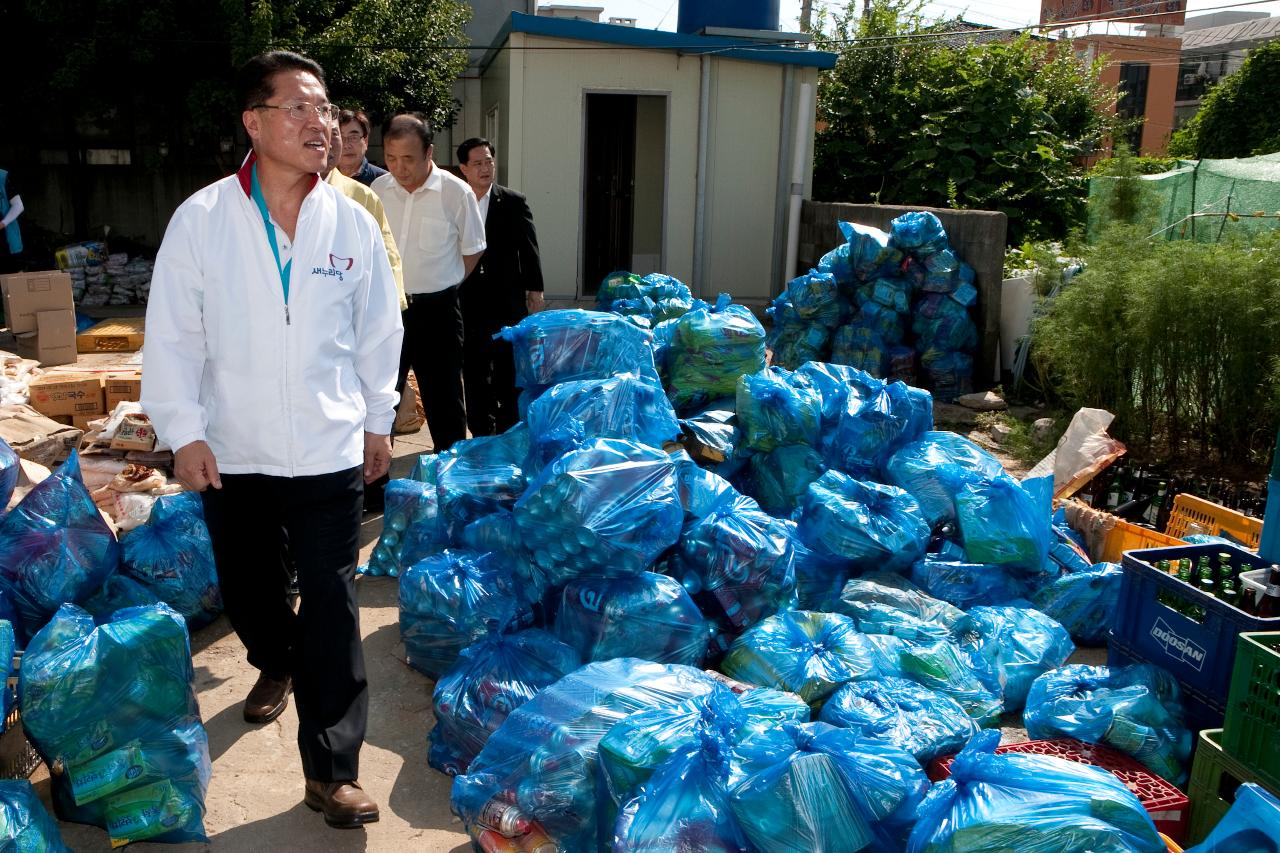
(435, 294)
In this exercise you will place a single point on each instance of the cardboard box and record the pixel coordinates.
(26, 294)
(53, 341)
(135, 433)
(120, 335)
(68, 394)
(122, 388)
(35, 437)
(81, 422)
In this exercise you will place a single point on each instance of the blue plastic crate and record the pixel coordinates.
(1199, 652)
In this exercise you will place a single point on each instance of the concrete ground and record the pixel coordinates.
(255, 798)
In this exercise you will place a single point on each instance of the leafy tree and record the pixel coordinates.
(1237, 118)
(947, 122)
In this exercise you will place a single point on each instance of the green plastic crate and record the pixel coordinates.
(1251, 731)
(1215, 777)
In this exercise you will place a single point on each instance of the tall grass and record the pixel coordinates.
(1180, 340)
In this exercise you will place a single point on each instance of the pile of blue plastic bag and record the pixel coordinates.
(113, 709)
(897, 305)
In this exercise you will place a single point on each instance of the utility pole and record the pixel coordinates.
(806, 15)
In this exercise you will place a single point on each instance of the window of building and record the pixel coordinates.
(1132, 103)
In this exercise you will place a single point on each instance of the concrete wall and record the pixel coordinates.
(978, 236)
(650, 184)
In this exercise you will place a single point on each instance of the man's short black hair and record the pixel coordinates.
(358, 116)
(410, 126)
(469, 145)
(253, 81)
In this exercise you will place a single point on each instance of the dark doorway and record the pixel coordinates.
(609, 187)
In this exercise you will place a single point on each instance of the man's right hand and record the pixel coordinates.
(195, 467)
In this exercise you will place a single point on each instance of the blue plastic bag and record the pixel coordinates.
(941, 323)
(1251, 826)
(861, 348)
(806, 653)
(1002, 524)
(874, 526)
(949, 373)
(551, 347)
(171, 556)
(870, 253)
(871, 428)
(55, 548)
(622, 407)
(738, 562)
(886, 323)
(934, 468)
(837, 263)
(1136, 709)
(684, 806)
(777, 408)
(1010, 647)
(711, 434)
(918, 232)
(816, 298)
(1084, 602)
(819, 578)
(412, 529)
(609, 508)
(24, 823)
(887, 603)
(545, 758)
(815, 788)
(941, 666)
(903, 713)
(448, 601)
(115, 706)
(780, 478)
(477, 476)
(645, 616)
(971, 584)
(710, 348)
(1030, 804)
(9, 471)
(490, 679)
(425, 466)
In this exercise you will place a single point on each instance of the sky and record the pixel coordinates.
(661, 14)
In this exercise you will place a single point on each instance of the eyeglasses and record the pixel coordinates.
(355, 136)
(303, 111)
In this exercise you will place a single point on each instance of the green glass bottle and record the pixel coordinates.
(1184, 570)
(1230, 594)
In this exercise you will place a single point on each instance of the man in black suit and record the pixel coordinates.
(505, 287)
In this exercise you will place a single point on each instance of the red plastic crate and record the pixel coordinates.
(1169, 808)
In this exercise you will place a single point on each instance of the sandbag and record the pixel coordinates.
(897, 711)
(646, 616)
(449, 600)
(115, 707)
(490, 679)
(874, 526)
(1136, 709)
(609, 508)
(55, 548)
(803, 652)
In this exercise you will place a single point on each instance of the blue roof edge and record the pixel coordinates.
(575, 30)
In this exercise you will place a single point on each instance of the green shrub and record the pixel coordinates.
(1178, 339)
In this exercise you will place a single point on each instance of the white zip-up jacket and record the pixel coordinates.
(276, 389)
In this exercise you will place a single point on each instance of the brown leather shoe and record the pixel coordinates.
(345, 804)
(267, 700)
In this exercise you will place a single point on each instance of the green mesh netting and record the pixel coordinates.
(1205, 200)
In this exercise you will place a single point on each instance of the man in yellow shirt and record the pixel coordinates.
(369, 200)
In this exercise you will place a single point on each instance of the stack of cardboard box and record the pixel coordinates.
(77, 398)
(41, 315)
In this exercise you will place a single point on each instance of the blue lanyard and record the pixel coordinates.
(256, 191)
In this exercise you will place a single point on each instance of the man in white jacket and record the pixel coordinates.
(273, 342)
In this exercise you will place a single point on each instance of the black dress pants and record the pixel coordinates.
(433, 348)
(488, 366)
(262, 525)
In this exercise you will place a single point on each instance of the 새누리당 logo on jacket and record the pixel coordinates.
(337, 266)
